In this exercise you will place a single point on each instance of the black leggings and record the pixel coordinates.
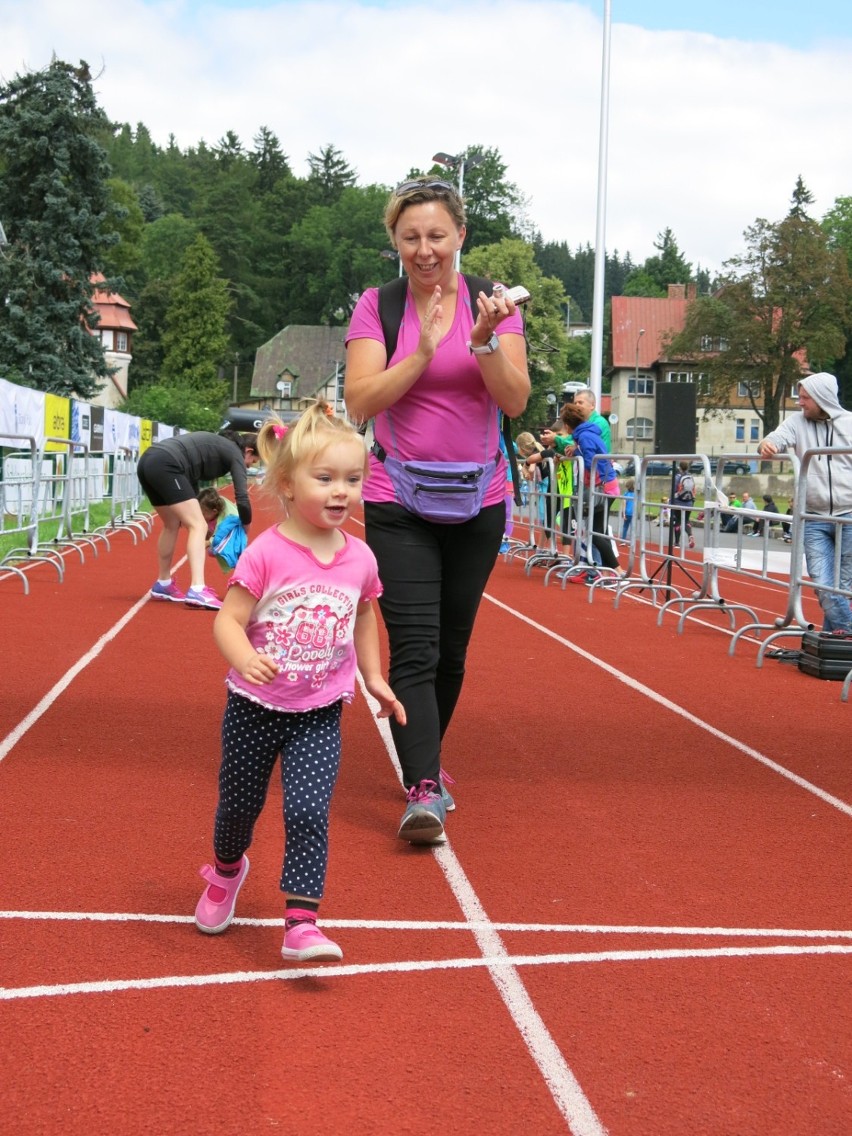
(433, 577)
(308, 743)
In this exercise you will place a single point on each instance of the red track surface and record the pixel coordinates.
(677, 819)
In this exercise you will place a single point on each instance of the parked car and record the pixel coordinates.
(732, 465)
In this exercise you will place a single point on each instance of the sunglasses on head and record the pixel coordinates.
(423, 183)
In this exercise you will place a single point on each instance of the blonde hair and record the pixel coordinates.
(399, 202)
(527, 444)
(283, 448)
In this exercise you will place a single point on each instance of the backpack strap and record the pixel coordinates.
(391, 310)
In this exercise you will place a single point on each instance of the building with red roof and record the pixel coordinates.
(640, 327)
(115, 329)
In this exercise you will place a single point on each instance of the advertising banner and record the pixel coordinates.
(21, 412)
(96, 416)
(57, 420)
(81, 423)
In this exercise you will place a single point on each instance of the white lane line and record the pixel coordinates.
(15, 735)
(494, 964)
(449, 925)
(564, 1087)
(641, 688)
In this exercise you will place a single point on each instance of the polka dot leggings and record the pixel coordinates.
(309, 744)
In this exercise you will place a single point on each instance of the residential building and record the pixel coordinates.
(640, 325)
(297, 366)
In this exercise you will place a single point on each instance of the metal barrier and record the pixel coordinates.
(125, 497)
(745, 561)
(22, 496)
(59, 486)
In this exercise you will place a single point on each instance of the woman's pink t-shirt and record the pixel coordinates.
(447, 415)
(304, 619)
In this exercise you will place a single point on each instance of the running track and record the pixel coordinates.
(640, 926)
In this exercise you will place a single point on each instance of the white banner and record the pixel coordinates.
(81, 423)
(21, 412)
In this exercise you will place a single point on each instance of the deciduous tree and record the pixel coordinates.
(783, 307)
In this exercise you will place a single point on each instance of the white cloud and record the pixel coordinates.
(705, 134)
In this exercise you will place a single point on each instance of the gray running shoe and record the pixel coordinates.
(423, 820)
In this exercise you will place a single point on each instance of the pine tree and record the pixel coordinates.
(196, 341)
(54, 199)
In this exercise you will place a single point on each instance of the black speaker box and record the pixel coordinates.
(674, 431)
(826, 656)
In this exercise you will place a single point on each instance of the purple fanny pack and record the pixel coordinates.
(445, 492)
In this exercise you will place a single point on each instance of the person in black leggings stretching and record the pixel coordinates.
(169, 473)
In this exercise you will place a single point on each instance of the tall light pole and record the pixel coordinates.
(459, 162)
(596, 375)
(636, 390)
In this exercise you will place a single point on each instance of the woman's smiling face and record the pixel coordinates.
(427, 239)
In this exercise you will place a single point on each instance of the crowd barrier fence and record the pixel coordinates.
(57, 482)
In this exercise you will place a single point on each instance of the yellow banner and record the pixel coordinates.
(146, 434)
(57, 420)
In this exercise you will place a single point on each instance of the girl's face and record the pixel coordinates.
(209, 514)
(427, 239)
(325, 488)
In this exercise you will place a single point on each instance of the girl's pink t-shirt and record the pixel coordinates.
(447, 415)
(304, 619)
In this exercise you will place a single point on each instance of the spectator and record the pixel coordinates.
(821, 423)
(588, 439)
(684, 495)
(629, 502)
(746, 503)
(585, 401)
(768, 506)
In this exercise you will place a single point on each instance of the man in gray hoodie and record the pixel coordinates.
(822, 422)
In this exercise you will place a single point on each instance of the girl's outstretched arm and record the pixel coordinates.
(366, 639)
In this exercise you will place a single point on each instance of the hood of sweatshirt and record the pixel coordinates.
(822, 388)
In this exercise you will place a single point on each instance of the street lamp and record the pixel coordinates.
(460, 163)
(636, 390)
(392, 254)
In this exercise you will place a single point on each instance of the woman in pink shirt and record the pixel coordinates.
(459, 361)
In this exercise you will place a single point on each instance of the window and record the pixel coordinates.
(706, 342)
(106, 340)
(646, 385)
(746, 390)
(640, 429)
(741, 429)
(121, 341)
(754, 430)
(680, 377)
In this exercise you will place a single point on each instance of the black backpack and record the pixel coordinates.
(391, 309)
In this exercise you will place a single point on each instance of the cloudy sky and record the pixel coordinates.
(714, 109)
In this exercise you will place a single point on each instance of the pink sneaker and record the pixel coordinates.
(168, 591)
(304, 942)
(215, 909)
(203, 597)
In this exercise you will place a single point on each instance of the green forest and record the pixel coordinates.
(219, 247)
